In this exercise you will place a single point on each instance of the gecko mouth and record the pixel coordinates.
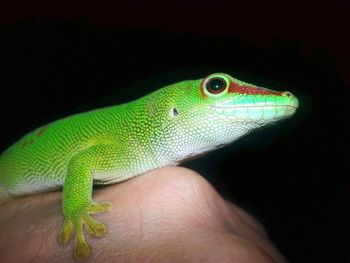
(256, 109)
(253, 106)
(256, 112)
(289, 102)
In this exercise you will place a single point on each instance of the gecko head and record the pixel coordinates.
(219, 109)
(246, 103)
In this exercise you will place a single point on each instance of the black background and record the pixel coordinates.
(58, 60)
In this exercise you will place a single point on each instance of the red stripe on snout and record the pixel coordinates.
(241, 89)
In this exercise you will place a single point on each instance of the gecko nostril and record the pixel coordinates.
(288, 94)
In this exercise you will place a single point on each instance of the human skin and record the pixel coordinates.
(170, 214)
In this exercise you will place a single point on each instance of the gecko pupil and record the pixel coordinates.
(216, 85)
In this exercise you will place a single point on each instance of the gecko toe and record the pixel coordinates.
(99, 208)
(66, 232)
(94, 227)
(82, 249)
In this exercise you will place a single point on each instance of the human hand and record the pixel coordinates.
(167, 215)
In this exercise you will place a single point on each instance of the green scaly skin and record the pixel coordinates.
(113, 144)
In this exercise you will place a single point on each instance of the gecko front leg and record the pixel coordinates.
(77, 203)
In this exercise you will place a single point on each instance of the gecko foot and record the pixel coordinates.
(74, 222)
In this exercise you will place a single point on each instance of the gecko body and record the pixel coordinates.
(116, 143)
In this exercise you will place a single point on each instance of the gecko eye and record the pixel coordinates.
(216, 85)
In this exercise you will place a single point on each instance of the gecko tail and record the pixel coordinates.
(4, 196)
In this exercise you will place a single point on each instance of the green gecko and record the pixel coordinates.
(116, 143)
